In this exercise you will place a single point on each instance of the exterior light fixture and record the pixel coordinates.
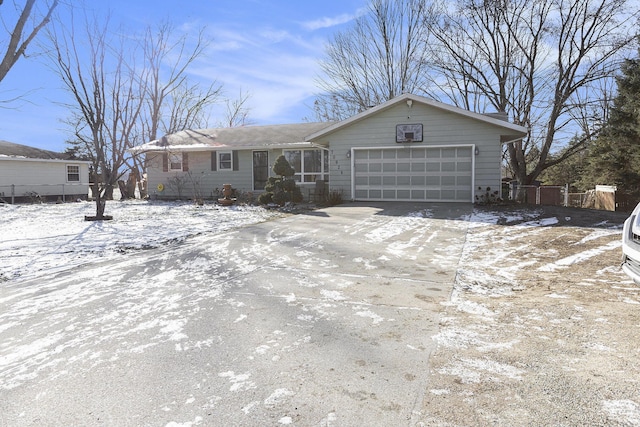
(477, 151)
(349, 154)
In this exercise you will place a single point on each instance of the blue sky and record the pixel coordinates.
(267, 48)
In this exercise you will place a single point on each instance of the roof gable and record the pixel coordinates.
(510, 130)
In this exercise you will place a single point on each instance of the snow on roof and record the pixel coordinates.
(19, 151)
(245, 137)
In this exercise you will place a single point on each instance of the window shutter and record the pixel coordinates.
(165, 162)
(214, 161)
(185, 162)
(235, 160)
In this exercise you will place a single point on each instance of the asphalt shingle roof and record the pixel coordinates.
(10, 149)
(237, 138)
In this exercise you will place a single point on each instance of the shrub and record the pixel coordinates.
(283, 188)
(334, 198)
(488, 197)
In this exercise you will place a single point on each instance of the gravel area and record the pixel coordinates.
(542, 328)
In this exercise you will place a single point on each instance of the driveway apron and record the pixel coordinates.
(321, 318)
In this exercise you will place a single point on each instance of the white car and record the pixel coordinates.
(631, 245)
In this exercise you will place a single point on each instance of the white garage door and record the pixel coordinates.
(441, 174)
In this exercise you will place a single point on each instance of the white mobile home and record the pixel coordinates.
(28, 173)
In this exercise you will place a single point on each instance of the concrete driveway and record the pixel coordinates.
(320, 319)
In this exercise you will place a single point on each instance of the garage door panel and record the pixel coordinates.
(362, 194)
(433, 194)
(361, 168)
(433, 166)
(432, 180)
(388, 167)
(418, 180)
(403, 194)
(463, 152)
(448, 194)
(417, 195)
(448, 166)
(463, 181)
(463, 195)
(465, 166)
(448, 181)
(420, 173)
(375, 154)
(389, 180)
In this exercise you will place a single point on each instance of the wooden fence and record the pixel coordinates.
(604, 197)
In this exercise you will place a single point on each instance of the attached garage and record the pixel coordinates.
(430, 174)
(413, 149)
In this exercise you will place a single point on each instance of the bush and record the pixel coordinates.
(334, 198)
(283, 188)
(487, 197)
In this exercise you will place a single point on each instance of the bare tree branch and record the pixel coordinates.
(21, 37)
(237, 112)
(382, 56)
(543, 61)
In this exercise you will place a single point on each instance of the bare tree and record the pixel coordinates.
(237, 111)
(105, 109)
(187, 107)
(383, 55)
(125, 91)
(21, 34)
(546, 62)
(166, 86)
(171, 102)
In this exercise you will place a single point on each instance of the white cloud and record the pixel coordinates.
(327, 22)
(275, 66)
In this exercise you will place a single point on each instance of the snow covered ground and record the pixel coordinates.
(43, 239)
(540, 323)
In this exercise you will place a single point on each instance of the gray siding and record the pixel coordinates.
(439, 128)
(45, 177)
(201, 179)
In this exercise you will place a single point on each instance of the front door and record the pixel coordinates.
(260, 169)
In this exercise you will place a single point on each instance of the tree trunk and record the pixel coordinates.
(124, 193)
(131, 186)
(101, 204)
(108, 192)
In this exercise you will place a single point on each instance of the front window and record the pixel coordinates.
(175, 162)
(225, 160)
(310, 165)
(73, 173)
